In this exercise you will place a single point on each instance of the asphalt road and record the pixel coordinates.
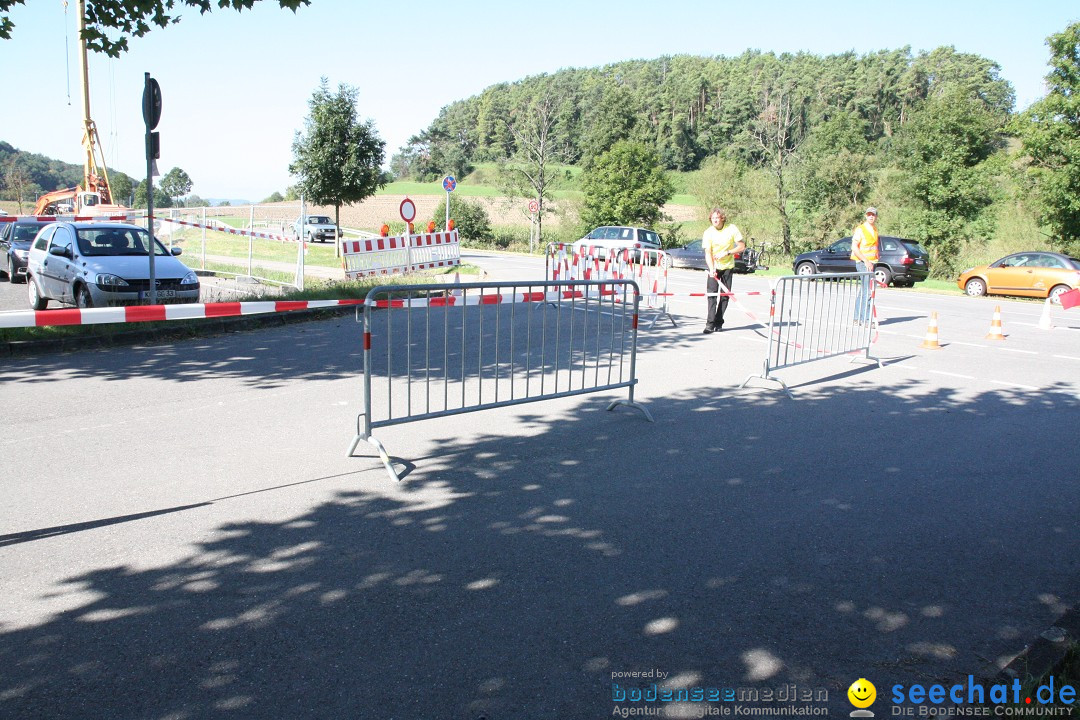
(182, 535)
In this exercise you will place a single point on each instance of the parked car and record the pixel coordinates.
(617, 236)
(15, 239)
(692, 256)
(1027, 274)
(98, 264)
(902, 263)
(317, 228)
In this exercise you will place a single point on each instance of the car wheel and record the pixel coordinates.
(37, 302)
(1056, 292)
(806, 268)
(83, 298)
(883, 275)
(975, 287)
(903, 283)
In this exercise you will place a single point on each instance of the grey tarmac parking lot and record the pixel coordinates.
(183, 536)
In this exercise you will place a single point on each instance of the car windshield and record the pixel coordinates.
(25, 233)
(94, 242)
(915, 247)
(318, 220)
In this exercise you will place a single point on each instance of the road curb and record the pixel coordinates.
(1047, 653)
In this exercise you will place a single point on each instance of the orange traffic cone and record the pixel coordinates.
(995, 326)
(1045, 323)
(930, 342)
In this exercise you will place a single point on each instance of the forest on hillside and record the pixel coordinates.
(927, 136)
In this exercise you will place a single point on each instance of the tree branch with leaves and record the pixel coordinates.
(109, 23)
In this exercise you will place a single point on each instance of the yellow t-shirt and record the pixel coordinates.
(725, 239)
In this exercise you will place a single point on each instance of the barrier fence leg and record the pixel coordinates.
(629, 402)
(383, 455)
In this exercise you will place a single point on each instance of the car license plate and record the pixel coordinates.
(166, 293)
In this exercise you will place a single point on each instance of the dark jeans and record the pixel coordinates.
(715, 317)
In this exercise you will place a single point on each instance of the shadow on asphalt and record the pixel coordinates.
(743, 540)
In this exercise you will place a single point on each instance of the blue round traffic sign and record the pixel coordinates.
(449, 183)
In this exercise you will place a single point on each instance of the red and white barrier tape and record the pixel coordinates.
(229, 230)
(451, 300)
(152, 313)
(196, 311)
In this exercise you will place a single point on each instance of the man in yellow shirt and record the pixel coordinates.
(865, 252)
(721, 243)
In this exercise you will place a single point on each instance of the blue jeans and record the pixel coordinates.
(863, 298)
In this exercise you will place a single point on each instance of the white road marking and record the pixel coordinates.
(1026, 352)
(1017, 385)
(955, 375)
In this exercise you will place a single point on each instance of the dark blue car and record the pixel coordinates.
(15, 238)
(902, 263)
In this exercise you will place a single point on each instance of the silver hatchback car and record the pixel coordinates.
(99, 264)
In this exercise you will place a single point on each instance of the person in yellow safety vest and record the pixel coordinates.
(721, 243)
(865, 251)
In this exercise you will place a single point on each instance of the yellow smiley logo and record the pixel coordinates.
(862, 693)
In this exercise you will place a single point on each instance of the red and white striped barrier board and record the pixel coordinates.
(73, 218)
(400, 254)
(153, 313)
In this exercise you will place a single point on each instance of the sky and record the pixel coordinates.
(236, 86)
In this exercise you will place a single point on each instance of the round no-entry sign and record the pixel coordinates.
(534, 207)
(449, 183)
(407, 210)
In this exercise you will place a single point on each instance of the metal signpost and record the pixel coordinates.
(408, 213)
(448, 183)
(534, 208)
(151, 109)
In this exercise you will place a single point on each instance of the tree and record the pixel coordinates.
(532, 175)
(625, 186)
(274, 197)
(470, 219)
(778, 130)
(1050, 130)
(122, 187)
(161, 200)
(833, 176)
(722, 182)
(108, 22)
(18, 182)
(338, 159)
(943, 151)
(176, 184)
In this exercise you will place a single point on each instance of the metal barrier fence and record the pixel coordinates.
(645, 266)
(813, 317)
(437, 350)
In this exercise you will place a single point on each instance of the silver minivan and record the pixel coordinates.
(618, 236)
(99, 264)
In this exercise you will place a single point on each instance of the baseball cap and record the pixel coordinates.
(870, 210)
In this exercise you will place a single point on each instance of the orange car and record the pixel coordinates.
(1028, 274)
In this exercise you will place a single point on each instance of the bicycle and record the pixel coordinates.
(757, 256)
